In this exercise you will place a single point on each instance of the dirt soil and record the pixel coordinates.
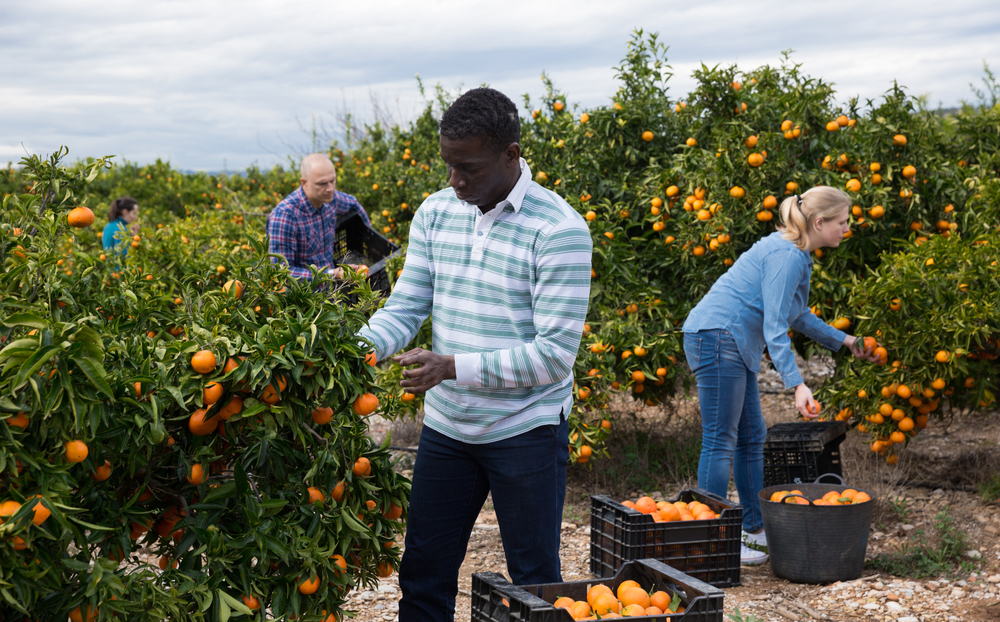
(935, 471)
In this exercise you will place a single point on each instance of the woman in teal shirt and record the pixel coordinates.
(748, 309)
(123, 212)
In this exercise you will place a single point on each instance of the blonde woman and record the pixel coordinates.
(750, 308)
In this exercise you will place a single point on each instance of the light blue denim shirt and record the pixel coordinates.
(758, 298)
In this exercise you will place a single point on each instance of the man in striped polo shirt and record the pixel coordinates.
(503, 266)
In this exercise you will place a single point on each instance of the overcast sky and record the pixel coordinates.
(212, 83)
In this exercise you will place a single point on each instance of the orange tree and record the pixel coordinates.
(673, 189)
(155, 405)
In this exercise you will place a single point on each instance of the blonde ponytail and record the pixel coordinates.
(799, 211)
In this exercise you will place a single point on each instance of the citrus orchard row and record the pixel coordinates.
(214, 416)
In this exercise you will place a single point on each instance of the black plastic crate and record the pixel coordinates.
(533, 603)
(360, 243)
(798, 452)
(708, 550)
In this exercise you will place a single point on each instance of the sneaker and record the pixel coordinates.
(753, 550)
(751, 557)
(756, 541)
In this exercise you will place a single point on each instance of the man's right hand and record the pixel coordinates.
(338, 272)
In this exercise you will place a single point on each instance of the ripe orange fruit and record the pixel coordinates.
(564, 602)
(660, 600)
(365, 404)
(88, 614)
(231, 364)
(200, 424)
(322, 415)
(897, 437)
(596, 591)
(903, 391)
(270, 395)
(942, 357)
(669, 513)
(362, 467)
(750, 142)
(938, 384)
(197, 475)
(876, 212)
(647, 136)
(212, 393)
(691, 142)
(203, 362)
(585, 453)
(909, 171)
(338, 492)
(19, 420)
(625, 585)
(854, 185)
(232, 407)
(394, 512)
(80, 217)
(103, 472)
(309, 586)
(832, 126)
(755, 159)
(898, 140)
(315, 494)
(76, 451)
(646, 505)
(606, 603)
(580, 610)
(635, 595)
(252, 602)
(235, 286)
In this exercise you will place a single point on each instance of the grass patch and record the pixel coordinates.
(923, 559)
(990, 490)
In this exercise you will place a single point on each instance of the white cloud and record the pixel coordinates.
(210, 81)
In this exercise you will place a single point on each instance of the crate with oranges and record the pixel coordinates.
(698, 533)
(645, 589)
(848, 496)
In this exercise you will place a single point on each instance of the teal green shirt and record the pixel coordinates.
(112, 241)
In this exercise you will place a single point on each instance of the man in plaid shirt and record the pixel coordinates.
(303, 227)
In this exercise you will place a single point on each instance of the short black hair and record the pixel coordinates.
(484, 113)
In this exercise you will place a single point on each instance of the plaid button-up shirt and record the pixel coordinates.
(304, 235)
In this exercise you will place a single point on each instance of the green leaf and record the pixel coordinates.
(95, 372)
(25, 319)
(34, 362)
(224, 611)
(235, 603)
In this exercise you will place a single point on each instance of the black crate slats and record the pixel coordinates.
(708, 550)
(354, 238)
(533, 603)
(799, 452)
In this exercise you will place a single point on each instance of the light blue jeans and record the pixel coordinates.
(733, 428)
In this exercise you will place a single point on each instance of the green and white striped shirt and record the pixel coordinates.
(508, 292)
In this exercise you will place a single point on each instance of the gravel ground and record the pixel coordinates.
(875, 596)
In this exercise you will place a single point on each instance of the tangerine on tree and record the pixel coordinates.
(80, 217)
(76, 451)
(203, 361)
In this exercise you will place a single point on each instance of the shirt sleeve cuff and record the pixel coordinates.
(467, 370)
(792, 380)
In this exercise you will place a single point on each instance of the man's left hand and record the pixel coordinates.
(432, 369)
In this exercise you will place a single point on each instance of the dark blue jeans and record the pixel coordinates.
(733, 428)
(451, 479)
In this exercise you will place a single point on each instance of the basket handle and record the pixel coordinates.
(839, 478)
(793, 495)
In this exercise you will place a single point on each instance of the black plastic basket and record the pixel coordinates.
(533, 603)
(356, 237)
(816, 543)
(708, 550)
(799, 452)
